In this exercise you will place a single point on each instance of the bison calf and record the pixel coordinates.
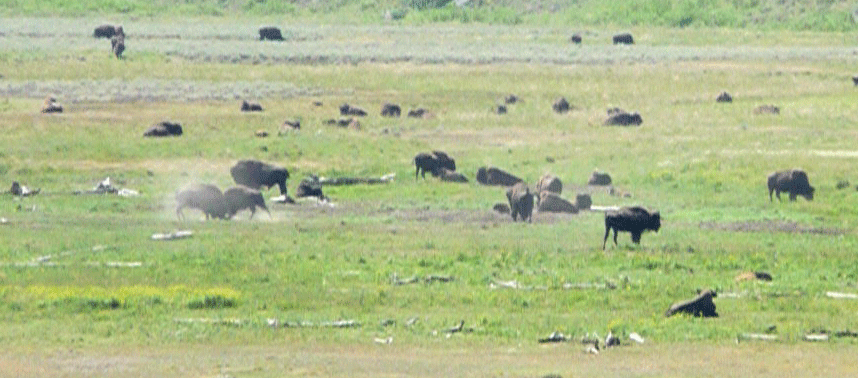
(520, 202)
(700, 306)
(205, 197)
(241, 197)
(635, 220)
(793, 181)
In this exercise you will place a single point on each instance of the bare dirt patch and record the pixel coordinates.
(770, 226)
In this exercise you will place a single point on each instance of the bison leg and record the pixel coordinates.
(778, 194)
(770, 194)
(792, 196)
(607, 232)
(616, 231)
(179, 213)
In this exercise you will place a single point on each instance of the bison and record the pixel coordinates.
(552, 203)
(451, 176)
(164, 128)
(700, 306)
(418, 113)
(632, 219)
(520, 202)
(560, 105)
(310, 187)
(724, 97)
(500, 109)
(256, 174)
(511, 99)
(599, 179)
(205, 197)
(496, 176)
(855, 80)
(623, 118)
(270, 33)
(623, 39)
(576, 39)
(583, 201)
(793, 181)
(432, 163)
(50, 105)
(250, 106)
(241, 197)
(104, 31)
(550, 183)
(348, 110)
(391, 110)
(117, 44)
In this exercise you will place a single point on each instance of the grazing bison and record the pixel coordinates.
(451, 176)
(520, 202)
(496, 176)
(432, 163)
(599, 179)
(511, 99)
(164, 128)
(623, 39)
(50, 105)
(241, 197)
(205, 197)
(576, 39)
(104, 31)
(418, 113)
(270, 33)
(549, 183)
(348, 110)
(500, 109)
(632, 219)
(793, 181)
(250, 106)
(256, 174)
(623, 118)
(390, 110)
(310, 187)
(290, 125)
(700, 306)
(552, 203)
(724, 97)
(767, 109)
(560, 105)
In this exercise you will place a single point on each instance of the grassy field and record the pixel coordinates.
(85, 291)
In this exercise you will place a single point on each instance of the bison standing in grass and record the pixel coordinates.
(433, 163)
(520, 202)
(623, 39)
(105, 31)
(793, 181)
(632, 219)
(256, 174)
(560, 105)
(270, 33)
(241, 197)
(205, 197)
(391, 110)
(117, 44)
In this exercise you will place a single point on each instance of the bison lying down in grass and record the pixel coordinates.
(632, 219)
(700, 306)
(793, 181)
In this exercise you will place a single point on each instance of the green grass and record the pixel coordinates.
(702, 164)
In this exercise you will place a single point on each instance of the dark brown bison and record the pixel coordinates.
(560, 105)
(390, 110)
(699, 306)
(500, 109)
(549, 183)
(724, 97)
(583, 201)
(104, 31)
(348, 110)
(496, 176)
(451, 176)
(623, 118)
(288, 126)
(511, 99)
(50, 105)
(793, 181)
(552, 203)
(855, 80)
(635, 220)
(576, 39)
(599, 179)
(418, 113)
(164, 128)
(623, 39)
(205, 197)
(250, 106)
(501, 207)
(270, 33)
(432, 163)
(117, 45)
(767, 109)
(241, 197)
(310, 187)
(256, 174)
(520, 202)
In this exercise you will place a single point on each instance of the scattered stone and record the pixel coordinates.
(748, 276)
(836, 295)
(388, 340)
(611, 340)
(767, 109)
(816, 337)
(554, 337)
(636, 338)
(173, 235)
(757, 336)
